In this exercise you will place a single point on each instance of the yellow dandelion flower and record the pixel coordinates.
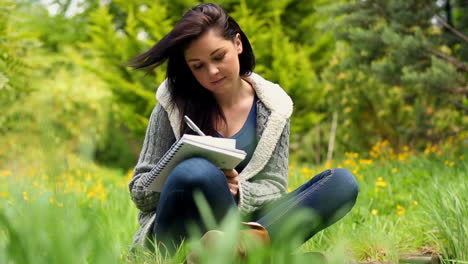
(434, 30)
(306, 171)
(60, 204)
(102, 196)
(400, 212)
(4, 194)
(365, 161)
(445, 49)
(399, 207)
(394, 170)
(377, 189)
(446, 162)
(51, 200)
(334, 61)
(451, 164)
(374, 211)
(25, 196)
(360, 177)
(91, 194)
(379, 179)
(415, 202)
(355, 171)
(5, 173)
(381, 184)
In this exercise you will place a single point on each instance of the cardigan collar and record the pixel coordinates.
(270, 94)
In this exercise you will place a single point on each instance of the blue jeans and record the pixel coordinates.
(327, 197)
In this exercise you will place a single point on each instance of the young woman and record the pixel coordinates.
(210, 79)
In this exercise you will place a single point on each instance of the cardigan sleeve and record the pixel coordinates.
(272, 181)
(158, 139)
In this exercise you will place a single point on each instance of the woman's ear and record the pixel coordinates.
(238, 43)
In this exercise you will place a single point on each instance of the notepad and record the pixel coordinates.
(221, 152)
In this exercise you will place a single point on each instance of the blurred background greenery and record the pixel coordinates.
(359, 72)
(380, 88)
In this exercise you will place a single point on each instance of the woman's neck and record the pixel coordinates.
(242, 91)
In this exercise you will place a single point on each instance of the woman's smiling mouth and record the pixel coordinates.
(218, 81)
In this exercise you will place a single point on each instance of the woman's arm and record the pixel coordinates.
(272, 181)
(159, 137)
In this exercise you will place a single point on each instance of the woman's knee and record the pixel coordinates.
(349, 185)
(195, 172)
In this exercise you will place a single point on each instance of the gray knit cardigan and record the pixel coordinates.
(264, 178)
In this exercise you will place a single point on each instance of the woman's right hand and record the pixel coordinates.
(232, 177)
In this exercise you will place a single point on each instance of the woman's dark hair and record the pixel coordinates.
(186, 93)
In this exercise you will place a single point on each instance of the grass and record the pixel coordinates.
(82, 213)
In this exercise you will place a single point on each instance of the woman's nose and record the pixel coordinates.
(213, 69)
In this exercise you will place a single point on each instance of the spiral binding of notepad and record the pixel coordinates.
(162, 164)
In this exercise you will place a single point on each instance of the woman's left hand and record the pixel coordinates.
(233, 181)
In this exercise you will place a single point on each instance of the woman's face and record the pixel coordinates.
(214, 61)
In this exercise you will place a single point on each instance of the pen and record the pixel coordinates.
(193, 126)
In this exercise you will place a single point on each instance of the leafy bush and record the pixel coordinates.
(393, 77)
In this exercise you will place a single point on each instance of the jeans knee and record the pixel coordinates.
(195, 173)
(350, 185)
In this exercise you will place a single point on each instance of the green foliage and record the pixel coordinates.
(15, 69)
(47, 226)
(134, 96)
(412, 209)
(393, 78)
(393, 74)
(448, 213)
(124, 29)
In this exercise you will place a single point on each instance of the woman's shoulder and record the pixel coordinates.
(170, 111)
(271, 95)
(162, 94)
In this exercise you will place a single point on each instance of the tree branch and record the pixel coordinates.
(449, 27)
(461, 90)
(459, 104)
(458, 64)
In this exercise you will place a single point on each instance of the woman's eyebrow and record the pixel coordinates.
(216, 50)
(211, 54)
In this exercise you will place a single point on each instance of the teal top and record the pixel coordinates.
(246, 137)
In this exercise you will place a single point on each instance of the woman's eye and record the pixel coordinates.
(198, 66)
(219, 58)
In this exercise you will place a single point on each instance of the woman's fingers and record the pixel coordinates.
(233, 181)
(230, 173)
(234, 188)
